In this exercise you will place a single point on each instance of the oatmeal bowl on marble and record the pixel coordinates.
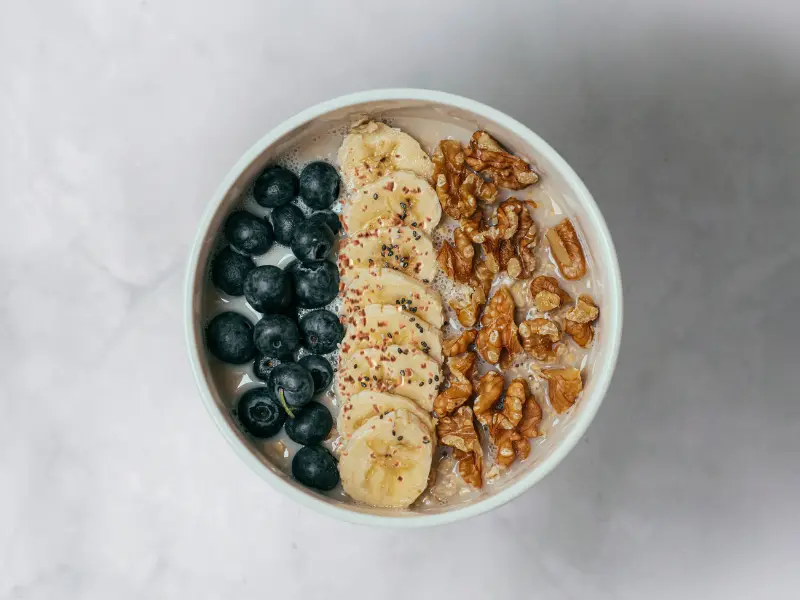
(403, 308)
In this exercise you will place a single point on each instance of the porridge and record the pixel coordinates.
(400, 320)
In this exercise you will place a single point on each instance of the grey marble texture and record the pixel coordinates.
(119, 118)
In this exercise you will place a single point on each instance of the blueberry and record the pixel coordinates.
(275, 186)
(292, 385)
(268, 289)
(311, 425)
(315, 283)
(229, 337)
(276, 336)
(261, 415)
(315, 467)
(319, 185)
(247, 234)
(321, 331)
(312, 241)
(329, 218)
(229, 270)
(284, 220)
(320, 369)
(263, 365)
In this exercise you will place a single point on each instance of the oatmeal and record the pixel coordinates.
(430, 356)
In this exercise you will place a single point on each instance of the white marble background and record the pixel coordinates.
(119, 117)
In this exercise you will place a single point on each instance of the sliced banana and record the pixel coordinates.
(402, 371)
(387, 461)
(381, 325)
(403, 249)
(399, 198)
(365, 405)
(371, 150)
(387, 286)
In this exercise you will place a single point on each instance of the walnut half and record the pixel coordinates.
(547, 293)
(564, 386)
(468, 309)
(578, 320)
(510, 425)
(538, 337)
(498, 331)
(458, 431)
(567, 251)
(459, 344)
(490, 388)
(504, 169)
(457, 188)
(508, 239)
(456, 259)
(461, 369)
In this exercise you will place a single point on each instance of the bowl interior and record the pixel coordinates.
(429, 120)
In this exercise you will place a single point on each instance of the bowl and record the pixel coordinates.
(439, 114)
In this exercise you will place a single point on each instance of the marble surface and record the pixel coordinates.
(117, 121)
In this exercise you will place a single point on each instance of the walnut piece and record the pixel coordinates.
(514, 421)
(538, 337)
(567, 251)
(468, 309)
(584, 311)
(457, 188)
(543, 283)
(510, 444)
(459, 344)
(578, 321)
(524, 244)
(564, 385)
(498, 331)
(458, 431)
(456, 259)
(509, 416)
(490, 388)
(508, 238)
(505, 170)
(461, 370)
(470, 467)
(582, 333)
(531, 417)
(509, 426)
(546, 301)
(483, 278)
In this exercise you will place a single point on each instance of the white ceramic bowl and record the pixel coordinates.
(435, 106)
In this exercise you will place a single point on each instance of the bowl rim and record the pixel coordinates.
(612, 312)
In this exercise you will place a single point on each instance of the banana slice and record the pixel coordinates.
(371, 150)
(380, 325)
(400, 198)
(402, 371)
(401, 248)
(365, 405)
(387, 461)
(387, 286)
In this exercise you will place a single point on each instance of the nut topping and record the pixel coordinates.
(567, 250)
(459, 432)
(498, 331)
(564, 386)
(538, 337)
(461, 370)
(456, 259)
(456, 187)
(578, 321)
(489, 158)
(510, 424)
(459, 344)
(547, 294)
